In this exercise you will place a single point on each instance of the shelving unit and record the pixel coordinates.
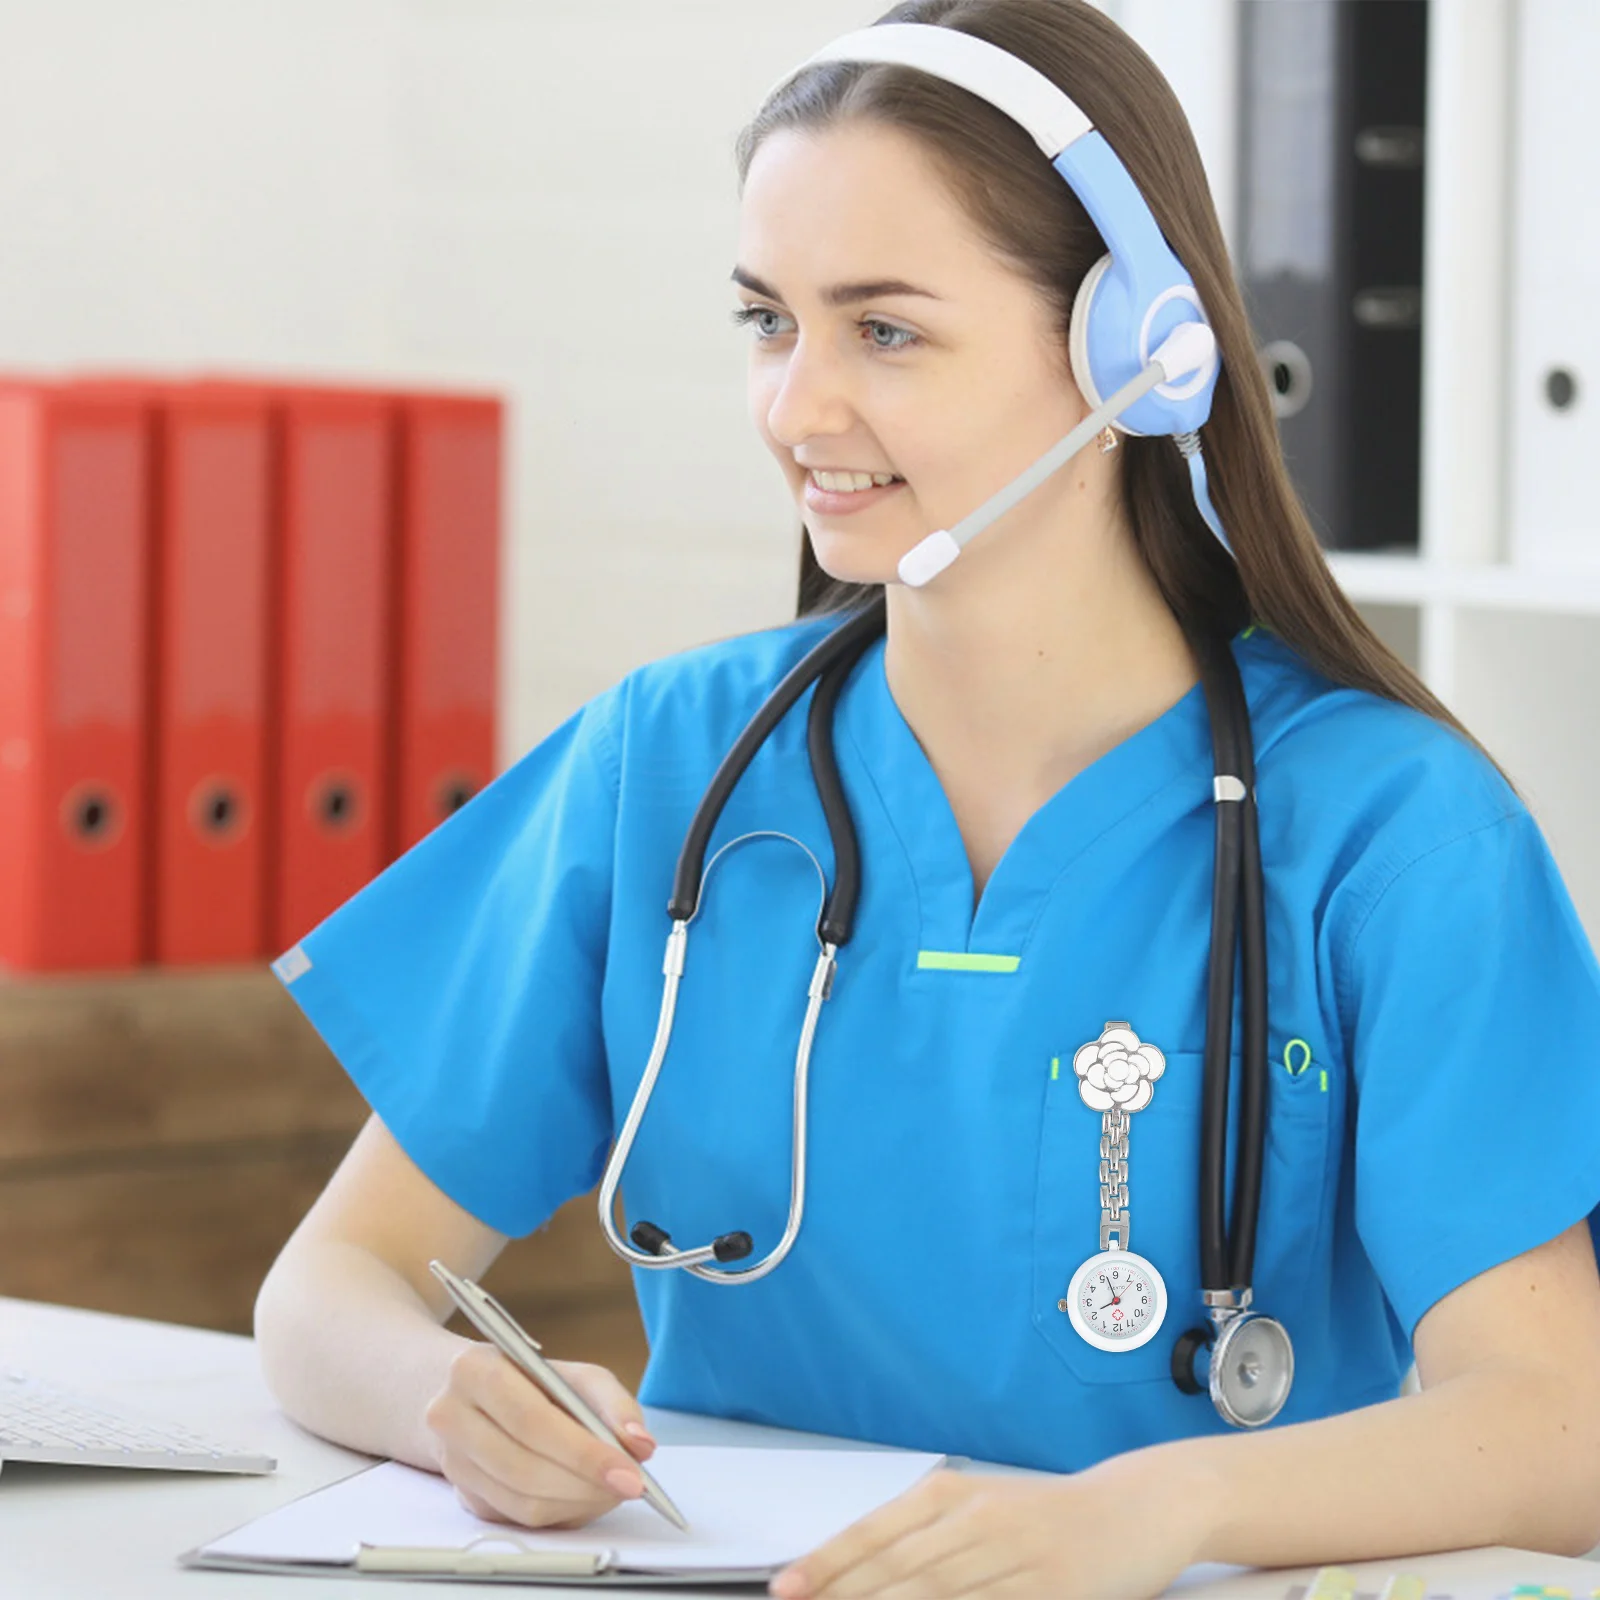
(163, 1131)
(1512, 648)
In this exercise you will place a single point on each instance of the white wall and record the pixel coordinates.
(537, 195)
(1195, 44)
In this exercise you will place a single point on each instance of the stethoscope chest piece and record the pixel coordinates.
(1252, 1369)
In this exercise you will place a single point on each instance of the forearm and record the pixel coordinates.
(351, 1351)
(1499, 1455)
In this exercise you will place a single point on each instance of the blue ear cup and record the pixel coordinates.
(1131, 299)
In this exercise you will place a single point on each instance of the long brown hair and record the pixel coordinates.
(1020, 204)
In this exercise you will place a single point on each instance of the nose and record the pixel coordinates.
(809, 395)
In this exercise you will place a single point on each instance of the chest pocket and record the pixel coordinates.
(1163, 1170)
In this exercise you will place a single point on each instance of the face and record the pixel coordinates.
(944, 367)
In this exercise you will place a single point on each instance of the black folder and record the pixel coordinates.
(1332, 119)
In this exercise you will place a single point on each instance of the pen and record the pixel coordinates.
(502, 1329)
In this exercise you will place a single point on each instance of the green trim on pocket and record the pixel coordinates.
(1305, 1061)
(959, 961)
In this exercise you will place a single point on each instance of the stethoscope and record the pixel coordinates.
(1251, 1364)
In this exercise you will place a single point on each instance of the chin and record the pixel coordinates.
(848, 558)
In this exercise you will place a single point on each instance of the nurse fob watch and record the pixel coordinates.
(1116, 1299)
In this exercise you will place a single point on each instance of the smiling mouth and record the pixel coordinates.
(851, 482)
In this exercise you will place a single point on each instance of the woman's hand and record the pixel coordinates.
(515, 1456)
(1107, 1532)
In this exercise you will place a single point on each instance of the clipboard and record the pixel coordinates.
(512, 1562)
(751, 1512)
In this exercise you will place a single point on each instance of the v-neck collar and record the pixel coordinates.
(1101, 798)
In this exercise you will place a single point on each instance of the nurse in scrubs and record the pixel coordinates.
(1026, 754)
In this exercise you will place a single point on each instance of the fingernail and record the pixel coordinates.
(789, 1585)
(625, 1483)
(639, 1431)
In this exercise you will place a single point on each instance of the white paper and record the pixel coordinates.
(745, 1508)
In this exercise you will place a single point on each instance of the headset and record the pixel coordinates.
(1141, 348)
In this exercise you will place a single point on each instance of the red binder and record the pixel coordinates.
(210, 640)
(74, 533)
(446, 602)
(334, 497)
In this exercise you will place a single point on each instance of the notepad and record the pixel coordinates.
(750, 1512)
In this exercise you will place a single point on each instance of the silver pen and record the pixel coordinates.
(497, 1325)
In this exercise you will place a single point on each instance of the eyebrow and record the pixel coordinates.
(840, 294)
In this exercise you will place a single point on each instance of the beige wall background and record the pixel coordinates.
(535, 195)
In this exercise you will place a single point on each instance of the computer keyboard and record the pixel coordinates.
(42, 1421)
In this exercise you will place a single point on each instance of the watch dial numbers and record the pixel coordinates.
(1117, 1303)
(1115, 1312)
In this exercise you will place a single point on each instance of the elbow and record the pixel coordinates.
(1564, 1524)
(1582, 1531)
(1579, 1430)
(262, 1323)
(1570, 1522)
(273, 1322)
(1579, 1538)
(266, 1322)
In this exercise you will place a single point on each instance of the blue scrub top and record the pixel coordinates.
(495, 992)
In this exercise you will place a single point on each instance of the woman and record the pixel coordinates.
(1026, 753)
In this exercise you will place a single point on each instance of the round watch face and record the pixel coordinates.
(1116, 1300)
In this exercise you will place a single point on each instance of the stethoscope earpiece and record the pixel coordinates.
(648, 1237)
(652, 1240)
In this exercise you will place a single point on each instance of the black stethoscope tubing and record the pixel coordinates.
(1238, 919)
(827, 664)
(1238, 926)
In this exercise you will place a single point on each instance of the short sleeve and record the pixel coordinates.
(461, 988)
(1472, 1005)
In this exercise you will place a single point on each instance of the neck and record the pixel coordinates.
(1034, 657)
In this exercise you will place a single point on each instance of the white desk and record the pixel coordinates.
(106, 1534)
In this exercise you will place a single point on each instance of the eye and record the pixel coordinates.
(907, 337)
(749, 314)
(904, 338)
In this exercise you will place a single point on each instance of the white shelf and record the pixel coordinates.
(1510, 643)
(1382, 579)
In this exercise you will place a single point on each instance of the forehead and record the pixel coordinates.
(821, 205)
